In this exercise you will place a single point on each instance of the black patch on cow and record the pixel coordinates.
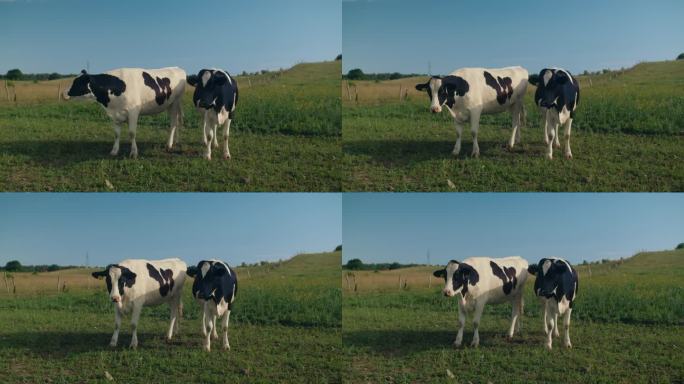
(217, 281)
(452, 86)
(126, 279)
(562, 90)
(160, 86)
(163, 276)
(558, 277)
(220, 91)
(100, 85)
(502, 85)
(464, 275)
(507, 276)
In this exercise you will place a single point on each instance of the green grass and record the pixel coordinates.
(285, 327)
(628, 135)
(285, 137)
(626, 328)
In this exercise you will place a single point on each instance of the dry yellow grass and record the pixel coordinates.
(411, 278)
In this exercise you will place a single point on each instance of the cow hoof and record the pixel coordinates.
(207, 348)
(215, 144)
(134, 155)
(226, 347)
(114, 153)
(226, 156)
(214, 336)
(568, 156)
(133, 346)
(557, 145)
(208, 157)
(548, 346)
(475, 154)
(549, 156)
(113, 345)
(474, 344)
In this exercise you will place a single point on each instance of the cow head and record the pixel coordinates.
(80, 88)
(118, 278)
(208, 84)
(443, 90)
(456, 277)
(207, 275)
(549, 83)
(551, 274)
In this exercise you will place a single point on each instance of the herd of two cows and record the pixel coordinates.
(127, 93)
(475, 281)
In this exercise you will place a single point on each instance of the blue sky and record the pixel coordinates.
(47, 228)
(236, 35)
(382, 227)
(403, 36)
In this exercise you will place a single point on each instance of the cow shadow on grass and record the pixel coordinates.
(406, 152)
(407, 342)
(63, 152)
(67, 343)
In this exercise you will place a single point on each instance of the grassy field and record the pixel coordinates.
(626, 328)
(286, 136)
(285, 327)
(628, 135)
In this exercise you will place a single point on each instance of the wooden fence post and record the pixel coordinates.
(58, 283)
(59, 91)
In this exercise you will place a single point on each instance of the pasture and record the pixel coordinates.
(285, 327)
(626, 328)
(285, 137)
(627, 135)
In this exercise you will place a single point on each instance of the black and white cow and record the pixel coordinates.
(216, 95)
(556, 285)
(133, 284)
(127, 93)
(557, 96)
(470, 92)
(215, 288)
(477, 281)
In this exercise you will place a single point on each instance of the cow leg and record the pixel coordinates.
(226, 133)
(132, 128)
(173, 116)
(211, 323)
(204, 321)
(474, 127)
(566, 325)
(204, 128)
(134, 325)
(545, 318)
(174, 318)
(209, 130)
(515, 316)
(226, 344)
(214, 335)
(555, 329)
(215, 142)
(117, 326)
(515, 135)
(568, 128)
(461, 325)
(556, 142)
(117, 135)
(459, 132)
(553, 133)
(479, 307)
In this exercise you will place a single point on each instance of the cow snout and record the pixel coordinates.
(448, 292)
(116, 299)
(436, 109)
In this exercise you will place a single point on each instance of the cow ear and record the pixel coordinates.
(422, 86)
(533, 269)
(533, 79)
(219, 269)
(99, 274)
(192, 80)
(83, 72)
(192, 271)
(561, 78)
(439, 273)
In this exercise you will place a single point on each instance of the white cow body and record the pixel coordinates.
(147, 92)
(145, 290)
(487, 288)
(476, 97)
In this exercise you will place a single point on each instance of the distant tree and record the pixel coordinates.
(53, 267)
(13, 266)
(354, 264)
(394, 265)
(14, 74)
(395, 75)
(338, 248)
(584, 262)
(53, 76)
(680, 246)
(355, 74)
(264, 71)
(681, 56)
(244, 73)
(339, 57)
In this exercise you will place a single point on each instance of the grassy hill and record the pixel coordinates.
(285, 326)
(285, 137)
(627, 136)
(626, 328)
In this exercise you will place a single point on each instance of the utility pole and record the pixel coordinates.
(87, 260)
(429, 68)
(428, 256)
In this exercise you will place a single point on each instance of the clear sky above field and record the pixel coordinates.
(62, 36)
(405, 35)
(577, 226)
(250, 227)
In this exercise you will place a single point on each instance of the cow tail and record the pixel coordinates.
(523, 116)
